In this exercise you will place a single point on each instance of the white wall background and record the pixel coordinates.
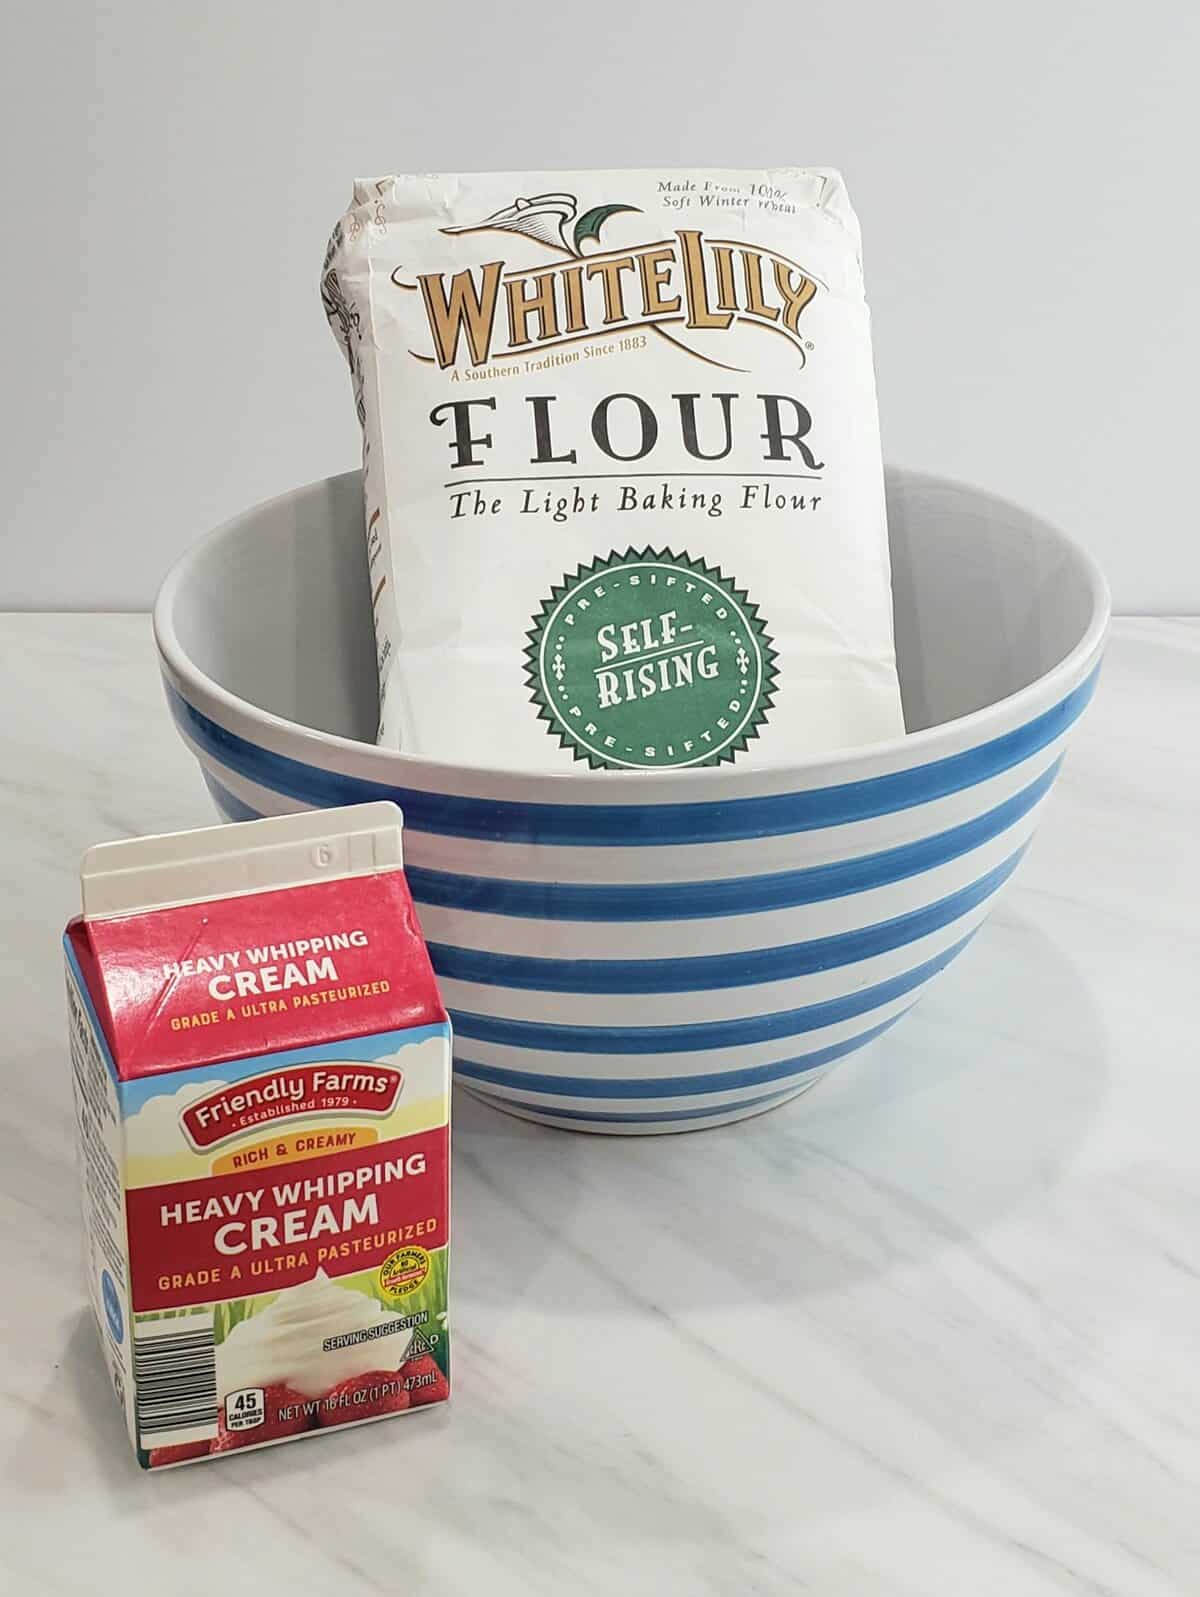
(1025, 174)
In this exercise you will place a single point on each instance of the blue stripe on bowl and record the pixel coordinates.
(697, 1036)
(645, 825)
(566, 1116)
(667, 1086)
(643, 1040)
(741, 895)
(230, 806)
(708, 972)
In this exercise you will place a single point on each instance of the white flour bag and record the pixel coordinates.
(624, 497)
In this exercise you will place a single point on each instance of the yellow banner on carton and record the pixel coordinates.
(296, 1145)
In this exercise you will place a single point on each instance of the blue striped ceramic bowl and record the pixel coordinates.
(661, 952)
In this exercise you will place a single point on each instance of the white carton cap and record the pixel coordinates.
(143, 873)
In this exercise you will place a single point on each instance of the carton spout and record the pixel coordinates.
(145, 873)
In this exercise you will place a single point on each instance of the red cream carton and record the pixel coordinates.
(262, 1076)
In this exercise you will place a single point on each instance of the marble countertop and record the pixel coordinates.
(933, 1329)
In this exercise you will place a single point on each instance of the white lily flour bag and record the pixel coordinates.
(624, 496)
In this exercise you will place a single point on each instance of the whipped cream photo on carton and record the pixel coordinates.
(261, 1067)
(624, 499)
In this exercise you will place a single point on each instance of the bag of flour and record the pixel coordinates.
(624, 498)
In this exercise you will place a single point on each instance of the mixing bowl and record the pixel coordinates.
(669, 950)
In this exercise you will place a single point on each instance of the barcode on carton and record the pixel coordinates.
(175, 1375)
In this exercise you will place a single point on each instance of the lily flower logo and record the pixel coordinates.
(546, 217)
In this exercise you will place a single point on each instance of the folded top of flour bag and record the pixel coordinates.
(624, 496)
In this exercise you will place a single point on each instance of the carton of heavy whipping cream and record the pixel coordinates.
(262, 1075)
(624, 492)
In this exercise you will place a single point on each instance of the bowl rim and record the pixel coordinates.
(1036, 694)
